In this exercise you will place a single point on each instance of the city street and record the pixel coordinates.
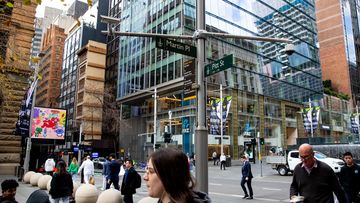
(224, 186)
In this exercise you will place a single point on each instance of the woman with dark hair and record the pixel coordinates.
(168, 178)
(61, 184)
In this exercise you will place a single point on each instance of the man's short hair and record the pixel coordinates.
(130, 162)
(243, 156)
(9, 184)
(112, 155)
(347, 154)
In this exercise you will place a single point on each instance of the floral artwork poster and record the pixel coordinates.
(48, 123)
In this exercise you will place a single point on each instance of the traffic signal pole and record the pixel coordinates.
(259, 152)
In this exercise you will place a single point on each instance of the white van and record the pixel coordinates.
(285, 164)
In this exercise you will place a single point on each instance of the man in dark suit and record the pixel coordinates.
(113, 174)
(128, 183)
(246, 177)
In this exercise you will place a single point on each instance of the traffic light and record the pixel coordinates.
(253, 141)
(262, 141)
(167, 137)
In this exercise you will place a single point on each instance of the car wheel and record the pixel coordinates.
(282, 170)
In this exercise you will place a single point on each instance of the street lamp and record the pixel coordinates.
(200, 34)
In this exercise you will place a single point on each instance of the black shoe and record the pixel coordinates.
(249, 198)
(246, 196)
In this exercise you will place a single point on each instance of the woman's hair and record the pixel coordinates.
(172, 167)
(61, 168)
(74, 160)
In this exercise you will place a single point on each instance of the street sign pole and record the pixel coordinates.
(201, 133)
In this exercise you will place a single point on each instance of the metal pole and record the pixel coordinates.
(155, 112)
(28, 143)
(259, 152)
(357, 115)
(311, 123)
(80, 133)
(221, 120)
(201, 133)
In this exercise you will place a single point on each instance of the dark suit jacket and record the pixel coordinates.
(246, 170)
(114, 169)
(128, 183)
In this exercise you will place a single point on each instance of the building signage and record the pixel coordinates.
(175, 46)
(189, 76)
(219, 65)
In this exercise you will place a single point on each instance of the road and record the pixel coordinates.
(224, 186)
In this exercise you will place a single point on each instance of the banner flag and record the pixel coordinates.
(215, 117)
(354, 118)
(311, 118)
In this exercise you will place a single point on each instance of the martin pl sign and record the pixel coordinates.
(219, 65)
(175, 46)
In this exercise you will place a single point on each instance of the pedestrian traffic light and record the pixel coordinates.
(262, 141)
(167, 137)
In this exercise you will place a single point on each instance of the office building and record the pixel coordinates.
(48, 88)
(338, 31)
(88, 27)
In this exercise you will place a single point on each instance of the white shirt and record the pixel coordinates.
(49, 165)
(222, 158)
(88, 167)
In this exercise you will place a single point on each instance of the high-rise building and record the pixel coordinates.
(48, 88)
(88, 27)
(112, 58)
(267, 87)
(338, 31)
(16, 31)
(36, 40)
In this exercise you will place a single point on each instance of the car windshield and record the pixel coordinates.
(320, 155)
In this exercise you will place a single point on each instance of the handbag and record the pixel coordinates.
(92, 180)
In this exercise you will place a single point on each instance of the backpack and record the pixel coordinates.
(137, 180)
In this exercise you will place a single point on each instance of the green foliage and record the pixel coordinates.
(327, 84)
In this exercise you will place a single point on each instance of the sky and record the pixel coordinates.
(53, 3)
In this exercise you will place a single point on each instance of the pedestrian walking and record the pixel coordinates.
(167, 177)
(350, 178)
(113, 173)
(88, 167)
(246, 177)
(73, 168)
(49, 166)
(222, 161)
(8, 188)
(61, 184)
(105, 172)
(315, 180)
(214, 157)
(128, 186)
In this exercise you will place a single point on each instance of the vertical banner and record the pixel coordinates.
(186, 134)
(354, 118)
(215, 117)
(311, 118)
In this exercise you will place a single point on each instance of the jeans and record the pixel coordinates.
(64, 200)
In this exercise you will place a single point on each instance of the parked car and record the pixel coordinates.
(287, 163)
(99, 162)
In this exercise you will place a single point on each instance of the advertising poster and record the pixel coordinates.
(48, 123)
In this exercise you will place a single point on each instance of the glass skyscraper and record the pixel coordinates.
(263, 81)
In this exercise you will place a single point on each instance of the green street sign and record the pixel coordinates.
(175, 46)
(219, 65)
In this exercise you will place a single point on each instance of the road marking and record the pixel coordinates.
(217, 184)
(264, 188)
(241, 196)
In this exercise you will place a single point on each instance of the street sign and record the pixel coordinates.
(175, 46)
(219, 65)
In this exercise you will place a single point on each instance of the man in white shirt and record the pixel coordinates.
(49, 166)
(88, 167)
(222, 161)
